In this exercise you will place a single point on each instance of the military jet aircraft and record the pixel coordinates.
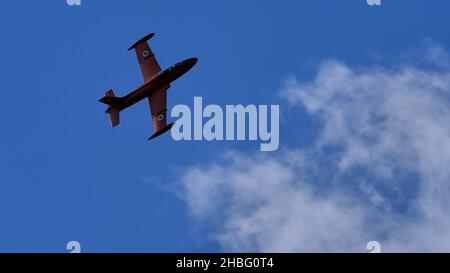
(155, 86)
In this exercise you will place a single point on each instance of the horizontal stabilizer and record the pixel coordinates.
(114, 117)
(113, 112)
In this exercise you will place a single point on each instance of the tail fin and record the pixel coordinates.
(110, 98)
(114, 114)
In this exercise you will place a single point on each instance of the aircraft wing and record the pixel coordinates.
(147, 61)
(158, 110)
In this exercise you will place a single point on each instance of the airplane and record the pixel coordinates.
(155, 86)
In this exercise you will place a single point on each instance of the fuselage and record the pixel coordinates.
(161, 80)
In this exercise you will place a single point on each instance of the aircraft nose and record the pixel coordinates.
(191, 62)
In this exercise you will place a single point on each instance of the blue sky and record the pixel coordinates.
(66, 175)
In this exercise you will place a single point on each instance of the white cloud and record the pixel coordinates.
(379, 169)
(262, 203)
